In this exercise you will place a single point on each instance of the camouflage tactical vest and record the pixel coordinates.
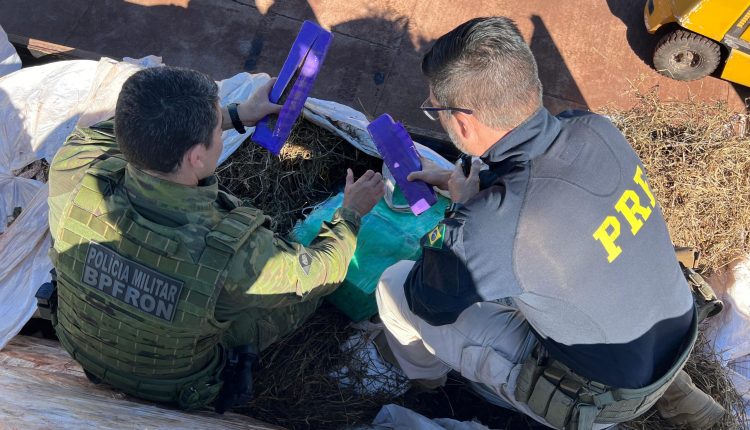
(136, 309)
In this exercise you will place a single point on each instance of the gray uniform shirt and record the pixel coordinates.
(566, 225)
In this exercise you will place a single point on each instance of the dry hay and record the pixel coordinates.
(295, 387)
(311, 167)
(697, 155)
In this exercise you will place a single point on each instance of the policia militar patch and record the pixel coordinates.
(131, 283)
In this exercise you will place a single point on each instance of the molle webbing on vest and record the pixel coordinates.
(162, 359)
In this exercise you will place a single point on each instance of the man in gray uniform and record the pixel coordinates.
(552, 283)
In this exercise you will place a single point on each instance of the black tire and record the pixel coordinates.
(686, 56)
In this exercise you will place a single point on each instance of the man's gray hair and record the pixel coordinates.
(485, 65)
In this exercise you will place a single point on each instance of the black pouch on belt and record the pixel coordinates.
(238, 378)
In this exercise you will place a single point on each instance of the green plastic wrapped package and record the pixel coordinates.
(385, 237)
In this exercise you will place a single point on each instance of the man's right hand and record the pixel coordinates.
(258, 106)
(362, 195)
(432, 174)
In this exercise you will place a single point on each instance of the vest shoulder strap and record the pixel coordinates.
(228, 201)
(232, 231)
(223, 242)
(99, 182)
(105, 174)
(109, 166)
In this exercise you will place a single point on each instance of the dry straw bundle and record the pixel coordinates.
(311, 167)
(295, 387)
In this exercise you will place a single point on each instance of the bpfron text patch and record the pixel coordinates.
(131, 283)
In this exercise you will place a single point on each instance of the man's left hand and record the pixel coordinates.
(463, 188)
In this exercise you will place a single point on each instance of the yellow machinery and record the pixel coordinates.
(698, 34)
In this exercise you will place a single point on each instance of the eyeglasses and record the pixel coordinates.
(432, 112)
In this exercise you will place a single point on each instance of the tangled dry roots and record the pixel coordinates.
(294, 387)
(311, 167)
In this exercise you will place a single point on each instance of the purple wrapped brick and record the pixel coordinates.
(399, 154)
(293, 85)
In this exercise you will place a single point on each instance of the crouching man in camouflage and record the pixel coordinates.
(168, 288)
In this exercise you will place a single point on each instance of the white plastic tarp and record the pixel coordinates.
(9, 59)
(729, 331)
(39, 107)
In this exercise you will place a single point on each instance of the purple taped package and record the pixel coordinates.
(293, 85)
(399, 154)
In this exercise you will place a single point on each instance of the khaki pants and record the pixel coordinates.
(487, 343)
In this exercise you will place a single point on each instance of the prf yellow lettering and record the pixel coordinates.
(631, 211)
(607, 232)
(629, 205)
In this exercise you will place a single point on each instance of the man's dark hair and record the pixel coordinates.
(161, 113)
(485, 65)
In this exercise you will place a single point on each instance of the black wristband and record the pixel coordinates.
(235, 117)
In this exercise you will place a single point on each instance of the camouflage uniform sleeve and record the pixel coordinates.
(80, 150)
(270, 271)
